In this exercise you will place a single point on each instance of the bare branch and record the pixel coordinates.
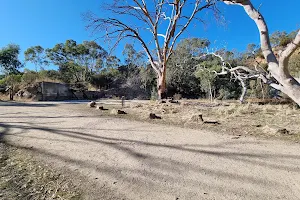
(262, 27)
(278, 70)
(291, 48)
(242, 73)
(152, 17)
(192, 16)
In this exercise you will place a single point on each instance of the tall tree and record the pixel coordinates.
(182, 66)
(12, 81)
(279, 76)
(206, 77)
(132, 56)
(281, 38)
(164, 20)
(9, 59)
(37, 56)
(10, 64)
(77, 62)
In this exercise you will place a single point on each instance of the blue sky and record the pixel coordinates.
(48, 22)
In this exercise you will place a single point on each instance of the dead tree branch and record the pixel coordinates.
(278, 67)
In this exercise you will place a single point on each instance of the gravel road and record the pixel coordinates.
(135, 160)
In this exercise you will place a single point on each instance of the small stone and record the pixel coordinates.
(121, 112)
(154, 116)
(173, 101)
(92, 104)
(100, 108)
(283, 131)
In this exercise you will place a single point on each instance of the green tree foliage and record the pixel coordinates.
(182, 66)
(29, 76)
(9, 59)
(10, 64)
(189, 73)
(205, 72)
(132, 56)
(37, 56)
(294, 64)
(148, 80)
(50, 74)
(282, 38)
(13, 79)
(134, 64)
(106, 79)
(218, 86)
(77, 62)
(258, 90)
(13, 82)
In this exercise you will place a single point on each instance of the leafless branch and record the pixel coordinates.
(291, 48)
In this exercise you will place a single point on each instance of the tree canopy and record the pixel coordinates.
(9, 59)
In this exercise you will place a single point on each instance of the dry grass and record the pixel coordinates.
(279, 121)
(16, 98)
(45, 79)
(4, 97)
(21, 177)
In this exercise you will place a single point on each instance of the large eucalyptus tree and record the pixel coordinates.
(155, 24)
(279, 76)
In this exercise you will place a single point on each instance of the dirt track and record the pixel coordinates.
(134, 160)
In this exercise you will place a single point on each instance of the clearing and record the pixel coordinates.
(139, 160)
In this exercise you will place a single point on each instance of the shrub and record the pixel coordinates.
(177, 96)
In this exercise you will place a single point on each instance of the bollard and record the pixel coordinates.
(123, 101)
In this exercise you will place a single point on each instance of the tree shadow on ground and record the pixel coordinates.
(163, 165)
(21, 104)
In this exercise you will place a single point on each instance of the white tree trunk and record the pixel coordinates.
(210, 93)
(277, 67)
(244, 91)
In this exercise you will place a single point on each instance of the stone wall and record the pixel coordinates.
(54, 91)
(48, 91)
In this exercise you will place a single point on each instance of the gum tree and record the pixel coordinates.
(278, 75)
(37, 56)
(155, 24)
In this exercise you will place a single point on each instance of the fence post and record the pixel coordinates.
(123, 101)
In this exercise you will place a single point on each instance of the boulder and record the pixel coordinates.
(92, 104)
(27, 94)
(24, 94)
